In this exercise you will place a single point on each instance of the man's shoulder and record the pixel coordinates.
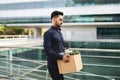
(49, 31)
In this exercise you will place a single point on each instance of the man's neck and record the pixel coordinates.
(54, 25)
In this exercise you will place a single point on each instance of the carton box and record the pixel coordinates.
(74, 65)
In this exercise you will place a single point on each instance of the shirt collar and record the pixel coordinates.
(59, 29)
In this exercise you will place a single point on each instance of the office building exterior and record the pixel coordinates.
(88, 19)
(93, 24)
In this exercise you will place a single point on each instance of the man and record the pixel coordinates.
(53, 45)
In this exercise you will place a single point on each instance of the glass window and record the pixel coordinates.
(56, 3)
(108, 33)
(67, 19)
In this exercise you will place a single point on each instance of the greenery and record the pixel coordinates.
(12, 30)
(74, 52)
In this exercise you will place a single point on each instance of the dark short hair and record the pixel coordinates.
(56, 13)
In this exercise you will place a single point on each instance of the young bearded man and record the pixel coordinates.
(53, 45)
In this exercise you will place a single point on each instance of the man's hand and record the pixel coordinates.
(66, 58)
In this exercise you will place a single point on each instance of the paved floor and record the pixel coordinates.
(20, 42)
(3, 79)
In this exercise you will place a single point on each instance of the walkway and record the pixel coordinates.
(20, 42)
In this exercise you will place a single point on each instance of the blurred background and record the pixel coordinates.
(90, 26)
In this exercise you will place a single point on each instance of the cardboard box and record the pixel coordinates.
(75, 65)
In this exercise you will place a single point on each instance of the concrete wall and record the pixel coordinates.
(37, 32)
(78, 33)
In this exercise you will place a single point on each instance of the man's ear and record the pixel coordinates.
(54, 18)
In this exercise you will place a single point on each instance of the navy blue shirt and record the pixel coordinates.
(53, 44)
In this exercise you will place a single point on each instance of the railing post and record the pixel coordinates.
(47, 74)
(11, 65)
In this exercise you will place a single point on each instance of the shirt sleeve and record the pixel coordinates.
(48, 46)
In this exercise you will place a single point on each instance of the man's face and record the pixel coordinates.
(59, 20)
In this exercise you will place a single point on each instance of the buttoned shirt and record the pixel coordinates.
(53, 44)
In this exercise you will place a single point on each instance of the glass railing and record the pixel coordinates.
(29, 63)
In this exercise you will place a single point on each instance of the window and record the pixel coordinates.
(108, 33)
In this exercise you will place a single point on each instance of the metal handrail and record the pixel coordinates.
(96, 50)
(41, 48)
(80, 49)
(95, 56)
(98, 40)
(21, 47)
(14, 36)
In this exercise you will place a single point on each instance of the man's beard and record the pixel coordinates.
(59, 25)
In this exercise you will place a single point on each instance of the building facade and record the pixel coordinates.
(88, 24)
(83, 19)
